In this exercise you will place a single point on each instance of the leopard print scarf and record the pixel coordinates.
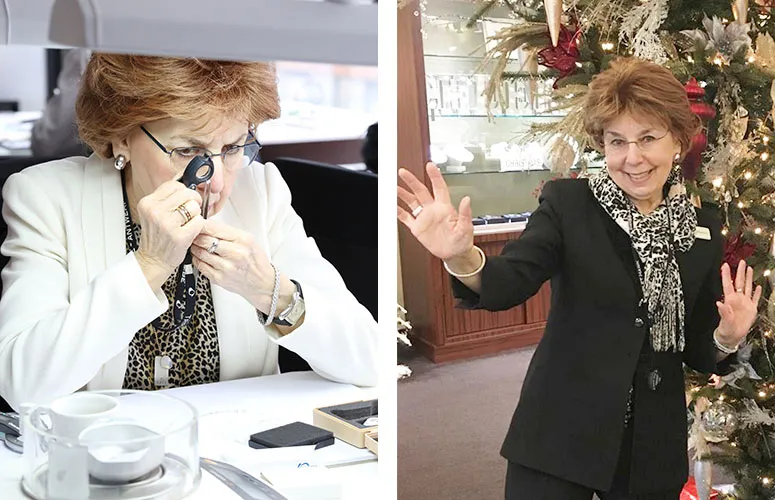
(655, 238)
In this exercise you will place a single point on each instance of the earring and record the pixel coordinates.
(120, 162)
(676, 158)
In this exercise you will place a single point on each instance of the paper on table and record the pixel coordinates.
(254, 461)
(289, 392)
(341, 453)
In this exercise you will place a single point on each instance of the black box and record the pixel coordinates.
(295, 434)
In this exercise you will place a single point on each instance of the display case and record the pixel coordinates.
(442, 116)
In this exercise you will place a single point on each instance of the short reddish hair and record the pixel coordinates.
(120, 92)
(640, 88)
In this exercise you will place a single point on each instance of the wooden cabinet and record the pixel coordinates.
(459, 333)
(442, 332)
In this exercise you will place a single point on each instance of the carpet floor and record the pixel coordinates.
(452, 419)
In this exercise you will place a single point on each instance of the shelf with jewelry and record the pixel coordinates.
(442, 116)
(479, 153)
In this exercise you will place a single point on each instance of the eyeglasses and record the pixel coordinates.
(234, 157)
(619, 146)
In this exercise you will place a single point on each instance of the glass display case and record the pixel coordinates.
(481, 157)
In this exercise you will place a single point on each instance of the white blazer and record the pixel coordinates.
(73, 298)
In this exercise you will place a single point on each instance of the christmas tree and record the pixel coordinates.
(724, 52)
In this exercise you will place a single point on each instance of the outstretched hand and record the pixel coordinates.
(444, 231)
(739, 306)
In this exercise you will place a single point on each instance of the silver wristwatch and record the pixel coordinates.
(295, 310)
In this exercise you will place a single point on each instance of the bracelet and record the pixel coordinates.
(474, 273)
(265, 320)
(721, 347)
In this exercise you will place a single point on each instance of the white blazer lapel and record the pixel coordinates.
(104, 242)
(93, 218)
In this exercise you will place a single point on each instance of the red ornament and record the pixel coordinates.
(565, 55)
(693, 89)
(735, 250)
(703, 110)
(691, 164)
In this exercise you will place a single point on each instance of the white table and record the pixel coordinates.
(230, 411)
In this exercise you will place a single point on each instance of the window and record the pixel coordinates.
(322, 102)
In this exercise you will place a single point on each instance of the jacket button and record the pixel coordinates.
(638, 322)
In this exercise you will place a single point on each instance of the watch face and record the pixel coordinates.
(295, 313)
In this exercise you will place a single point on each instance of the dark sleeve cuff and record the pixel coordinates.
(724, 366)
(467, 298)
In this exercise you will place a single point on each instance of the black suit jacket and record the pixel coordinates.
(570, 417)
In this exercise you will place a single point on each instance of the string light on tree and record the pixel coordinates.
(748, 176)
(607, 46)
(758, 230)
(766, 481)
(767, 273)
(740, 204)
(717, 182)
(762, 394)
(765, 155)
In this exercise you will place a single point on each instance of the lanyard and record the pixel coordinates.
(185, 291)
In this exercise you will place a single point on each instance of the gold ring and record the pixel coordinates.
(183, 211)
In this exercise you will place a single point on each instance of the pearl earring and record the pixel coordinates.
(120, 162)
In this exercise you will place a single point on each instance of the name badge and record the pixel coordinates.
(702, 233)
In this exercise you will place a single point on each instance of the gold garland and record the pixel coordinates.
(571, 100)
(507, 40)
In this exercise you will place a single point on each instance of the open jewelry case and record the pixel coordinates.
(350, 422)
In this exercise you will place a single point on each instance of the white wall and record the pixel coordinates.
(23, 76)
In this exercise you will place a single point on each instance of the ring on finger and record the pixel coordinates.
(739, 290)
(417, 211)
(214, 246)
(183, 211)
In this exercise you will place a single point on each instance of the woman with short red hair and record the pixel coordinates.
(99, 291)
(636, 292)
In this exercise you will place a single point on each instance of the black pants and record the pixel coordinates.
(523, 483)
(528, 484)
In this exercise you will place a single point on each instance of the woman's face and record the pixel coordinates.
(151, 167)
(641, 169)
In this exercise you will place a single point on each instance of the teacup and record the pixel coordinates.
(70, 415)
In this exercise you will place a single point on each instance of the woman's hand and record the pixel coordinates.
(739, 308)
(231, 259)
(170, 218)
(446, 233)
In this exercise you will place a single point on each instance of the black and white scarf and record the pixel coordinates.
(655, 238)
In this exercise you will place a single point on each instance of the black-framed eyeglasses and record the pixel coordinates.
(234, 157)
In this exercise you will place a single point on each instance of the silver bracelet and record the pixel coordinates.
(721, 347)
(267, 320)
(475, 272)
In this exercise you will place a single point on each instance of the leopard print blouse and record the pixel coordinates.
(193, 348)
